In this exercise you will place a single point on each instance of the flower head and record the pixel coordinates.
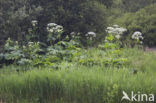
(116, 30)
(137, 35)
(116, 26)
(52, 27)
(34, 22)
(118, 36)
(91, 34)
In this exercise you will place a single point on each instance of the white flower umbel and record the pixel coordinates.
(118, 36)
(137, 35)
(34, 22)
(116, 31)
(52, 27)
(58, 28)
(109, 29)
(91, 34)
(116, 26)
(72, 34)
(54, 32)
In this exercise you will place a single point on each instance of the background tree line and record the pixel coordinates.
(76, 16)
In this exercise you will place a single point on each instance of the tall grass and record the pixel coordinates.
(81, 84)
(75, 86)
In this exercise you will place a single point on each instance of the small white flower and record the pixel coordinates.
(59, 28)
(116, 26)
(137, 35)
(30, 43)
(109, 29)
(24, 47)
(72, 33)
(116, 30)
(54, 28)
(141, 42)
(91, 34)
(118, 36)
(50, 30)
(34, 22)
(51, 25)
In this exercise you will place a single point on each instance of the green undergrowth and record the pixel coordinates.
(74, 82)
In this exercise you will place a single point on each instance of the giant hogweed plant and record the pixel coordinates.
(20, 55)
(137, 39)
(112, 45)
(12, 51)
(33, 36)
(64, 49)
(54, 32)
(28, 54)
(90, 36)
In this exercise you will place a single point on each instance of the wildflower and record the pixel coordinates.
(116, 26)
(116, 30)
(91, 34)
(34, 22)
(118, 36)
(137, 35)
(30, 44)
(59, 28)
(16, 42)
(72, 34)
(109, 29)
(141, 42)
(51, 25)
(50, 30)
(24, 47)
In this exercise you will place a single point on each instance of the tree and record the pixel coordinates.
(143, 21)
(75, 15)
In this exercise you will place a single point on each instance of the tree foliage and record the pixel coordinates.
(74, 15)
(143, 21)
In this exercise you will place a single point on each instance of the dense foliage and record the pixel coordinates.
(143, 21)
(79, 16)
(76, 16)
(86, 81)
(76, 51)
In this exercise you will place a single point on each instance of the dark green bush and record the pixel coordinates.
(143, 21)
(74, 15)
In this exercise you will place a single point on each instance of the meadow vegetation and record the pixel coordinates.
(61, 52)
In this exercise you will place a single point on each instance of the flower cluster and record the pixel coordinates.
(137, 36)
(90, 35)
(54, 31)
(54, 28)
(72, 34)
(34, 22)
(116, 31)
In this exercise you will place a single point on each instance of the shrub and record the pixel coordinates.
(143, 21)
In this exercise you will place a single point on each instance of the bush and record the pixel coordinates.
(74, 15)
(143, 21)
